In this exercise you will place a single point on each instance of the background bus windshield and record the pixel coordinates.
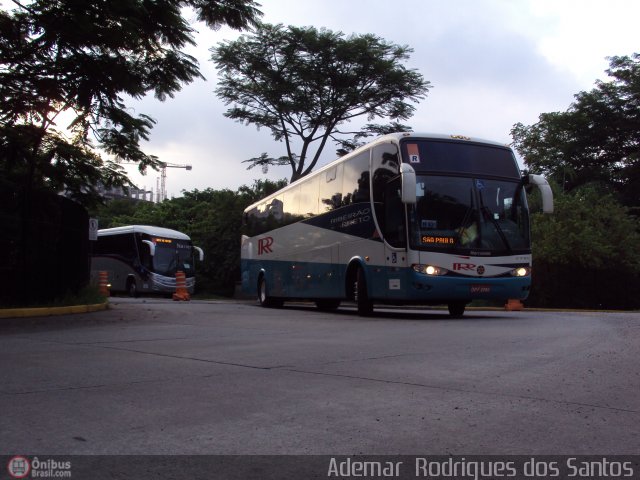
(171, 256)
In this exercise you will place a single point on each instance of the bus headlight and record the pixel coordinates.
(521, 272)
(430, 269)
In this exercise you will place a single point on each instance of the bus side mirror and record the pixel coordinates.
(200, 253)
(545, 191)
(152, 247)
(408, 182)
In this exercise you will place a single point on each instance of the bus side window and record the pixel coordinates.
(355, 188)
(145, 255)
(331, 189)
(385, 166)
(309, 192)
(291, 206)
(394, 218)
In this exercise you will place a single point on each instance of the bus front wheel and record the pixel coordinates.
(456, 309)
(361, 296)
(132, 288)
(263, 297)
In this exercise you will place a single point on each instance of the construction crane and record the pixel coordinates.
(161, 193)
(161, 187)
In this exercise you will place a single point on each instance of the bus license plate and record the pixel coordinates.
(480, 289)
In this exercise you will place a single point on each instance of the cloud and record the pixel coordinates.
(492, 63)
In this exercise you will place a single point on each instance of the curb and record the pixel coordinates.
(52, 311)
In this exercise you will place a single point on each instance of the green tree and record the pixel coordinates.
(213, 220)
(304, 84)
(585, 254)
(81, 59)
(596, 140)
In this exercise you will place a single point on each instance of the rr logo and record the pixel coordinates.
(464, 266)
(264, 245)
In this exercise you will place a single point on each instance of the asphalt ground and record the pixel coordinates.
(150, 376)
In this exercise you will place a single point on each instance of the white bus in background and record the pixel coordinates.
(406, 219)
(144, 259)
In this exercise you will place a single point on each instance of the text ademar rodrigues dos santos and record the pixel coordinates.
(485, 468)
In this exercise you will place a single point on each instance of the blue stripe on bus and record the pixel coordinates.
(307, 280)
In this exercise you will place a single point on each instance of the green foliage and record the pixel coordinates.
(303, 84)
(347, 145)
(596, 140)
(585, 254)
(212, 218)
(80, 59)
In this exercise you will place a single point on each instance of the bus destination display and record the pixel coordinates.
(438, 240)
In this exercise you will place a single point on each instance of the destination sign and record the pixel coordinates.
(438, 240)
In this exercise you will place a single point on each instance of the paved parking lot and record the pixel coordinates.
(150, 376)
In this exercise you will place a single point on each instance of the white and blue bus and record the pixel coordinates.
(405, 219)
(144, 259)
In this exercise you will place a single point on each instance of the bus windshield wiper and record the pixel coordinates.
(489, 214)
(495, 223)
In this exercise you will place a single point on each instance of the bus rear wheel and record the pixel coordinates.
(456, 309)
(263, 297)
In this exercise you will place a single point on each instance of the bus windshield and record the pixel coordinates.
(437, 156)
(472, 216)
(171, 256)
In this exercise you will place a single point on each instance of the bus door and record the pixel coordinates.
(395, 240)
(390, 214)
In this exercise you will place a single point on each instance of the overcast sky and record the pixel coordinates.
(492, 63)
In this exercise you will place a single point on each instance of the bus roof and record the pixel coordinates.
(148, 229)
(385, 139)
(437, 136)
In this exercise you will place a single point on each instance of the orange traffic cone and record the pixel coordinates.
(181, 287)
(512, 305)
(103, 283)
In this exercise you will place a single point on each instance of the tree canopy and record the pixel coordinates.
(597, 140)
(584, 254)
(304, 84)
(212, 218)
(66, 67)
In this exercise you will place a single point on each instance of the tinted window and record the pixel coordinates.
(291, 205)
(460, 157)
(385, 166)
(355, 188)
(268, 215)
(331, 189)
(461, 214)
(308, 205)
(122, 245)
(393, 225)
